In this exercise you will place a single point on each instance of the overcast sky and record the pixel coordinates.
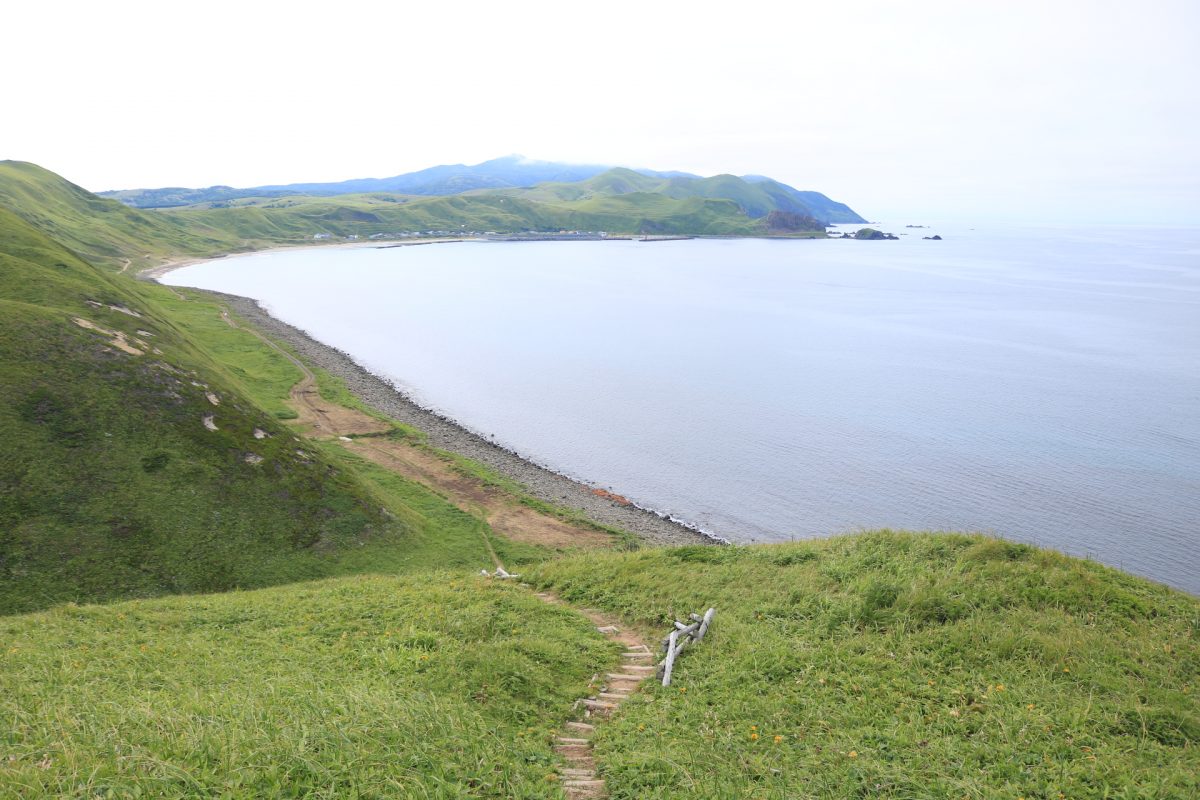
(1050, 110)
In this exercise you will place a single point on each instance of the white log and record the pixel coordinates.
(708, 618)
(669, 661)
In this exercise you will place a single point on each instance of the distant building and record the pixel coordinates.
(322, 236)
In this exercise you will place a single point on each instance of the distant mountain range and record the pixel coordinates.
(536, 180)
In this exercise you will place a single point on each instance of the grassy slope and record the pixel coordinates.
(433, 686)
(756, 199)
(111, 486)
(905, 666)
(302, 217)
(100, 230)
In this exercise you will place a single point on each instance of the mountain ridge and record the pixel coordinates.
(499, 174)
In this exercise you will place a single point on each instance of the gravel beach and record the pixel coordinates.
(446, 434)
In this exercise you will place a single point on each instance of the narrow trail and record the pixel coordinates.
(125, 266)
(579, 778)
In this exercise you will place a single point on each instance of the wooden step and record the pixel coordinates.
(636, 655)
(599, 705)
(583, 784)
(615, 697)
(569, 750)
(622, 676)
(585, 774)
(581, 726)
(645, 668)
(609, 629)
(569, 740)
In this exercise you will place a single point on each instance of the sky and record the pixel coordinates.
(1053, 110)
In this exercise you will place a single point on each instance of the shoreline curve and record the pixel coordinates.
(651, 526)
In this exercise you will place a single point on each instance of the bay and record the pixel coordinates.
(1042, 384)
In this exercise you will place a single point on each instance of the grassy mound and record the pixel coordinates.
(889, 665)
(437, 687)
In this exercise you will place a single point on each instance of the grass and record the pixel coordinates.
(901, 666)
(111, 486)
(102, 231)
(435, 685)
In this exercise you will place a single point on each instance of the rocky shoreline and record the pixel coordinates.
(446, 434)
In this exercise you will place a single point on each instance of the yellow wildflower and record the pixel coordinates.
(999, 687)
(754, 737)
(778, 739)
(1030, 706)
(853, 754)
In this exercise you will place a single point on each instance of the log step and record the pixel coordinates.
(621, 676)
(584, 784)
(615, 697)
(569, 740)
(585, 774)
(609, 629)
(570, 750)
(637, 655)
(581, 726)
(644, 668)
(599, 705)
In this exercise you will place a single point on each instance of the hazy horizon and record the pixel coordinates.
(1061, 112)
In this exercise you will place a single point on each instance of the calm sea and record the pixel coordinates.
(1042, 384)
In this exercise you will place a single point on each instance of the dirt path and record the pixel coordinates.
(507, 517)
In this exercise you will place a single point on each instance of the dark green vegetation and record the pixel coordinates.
(873, 234)
(112, 483)
(434, 685)
(893, 665)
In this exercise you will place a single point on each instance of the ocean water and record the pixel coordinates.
(1042, 384)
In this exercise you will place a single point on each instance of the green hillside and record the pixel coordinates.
(898, 665)
(433, 686)
(755, 198)
(302, 217)
(100, 230)
(112, 482)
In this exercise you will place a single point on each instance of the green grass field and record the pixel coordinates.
(435, 685)
(901, 666)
